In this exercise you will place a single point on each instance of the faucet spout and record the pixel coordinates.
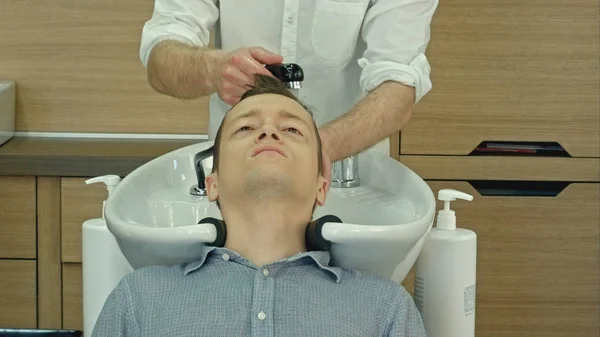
(203, 166)
(344, 173)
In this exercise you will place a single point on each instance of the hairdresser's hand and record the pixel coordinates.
(236, 68)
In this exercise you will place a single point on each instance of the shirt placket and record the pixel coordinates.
(289, 30)
(263, 298)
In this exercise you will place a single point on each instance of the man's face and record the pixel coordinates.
(268, 148)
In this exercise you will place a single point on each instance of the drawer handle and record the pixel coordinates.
(515, 188)
(510, 148)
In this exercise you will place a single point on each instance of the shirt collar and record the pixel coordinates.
(320, 258)
(197, 264)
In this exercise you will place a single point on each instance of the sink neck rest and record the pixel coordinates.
(313, 236)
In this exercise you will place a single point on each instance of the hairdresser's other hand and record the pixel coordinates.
(235, 70)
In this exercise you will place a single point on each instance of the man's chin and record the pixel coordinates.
(268, 183)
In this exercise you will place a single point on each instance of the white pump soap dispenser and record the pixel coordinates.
(446, 218)
(103, 263)
(110, 180)
(445, 274)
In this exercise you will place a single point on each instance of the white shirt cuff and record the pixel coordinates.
(164, 27)
(415, 74)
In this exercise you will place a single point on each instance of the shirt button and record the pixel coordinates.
(266, 272)
(262, 316)
(225, 257)
(291, 19)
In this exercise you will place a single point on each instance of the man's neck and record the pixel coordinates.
(265, 233)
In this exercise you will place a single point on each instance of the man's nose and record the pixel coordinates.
(269, 132)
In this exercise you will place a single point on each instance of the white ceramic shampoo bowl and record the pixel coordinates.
(155, 219)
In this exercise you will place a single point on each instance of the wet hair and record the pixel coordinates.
(267, 85)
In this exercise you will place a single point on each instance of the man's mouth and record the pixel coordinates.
(268, 149)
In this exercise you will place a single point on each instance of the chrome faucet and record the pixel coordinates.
(203, 166)
(344, 173)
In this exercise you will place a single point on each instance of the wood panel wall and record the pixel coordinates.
(509, 70)
(77, 69)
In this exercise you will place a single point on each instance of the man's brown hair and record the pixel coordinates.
(266, 85)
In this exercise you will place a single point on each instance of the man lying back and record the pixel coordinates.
(267, 181)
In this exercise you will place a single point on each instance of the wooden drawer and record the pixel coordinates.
(18, 217)
(18, 294)
(504, 168)
(79, 202)
(538, 261)
(72, 296)
(534, 77)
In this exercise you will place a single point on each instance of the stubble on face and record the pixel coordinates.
(268, 178)
(262, 186)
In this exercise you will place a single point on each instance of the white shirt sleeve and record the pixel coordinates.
(397, 33)
(188, 21)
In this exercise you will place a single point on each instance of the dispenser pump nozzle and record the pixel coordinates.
(110, 180)
(446, 219)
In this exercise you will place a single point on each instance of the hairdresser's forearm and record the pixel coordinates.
(183, 71)
(383, 112)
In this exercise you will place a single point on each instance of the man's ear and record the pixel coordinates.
(321, 190)
(212, 186)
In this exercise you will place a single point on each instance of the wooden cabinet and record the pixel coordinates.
(72, 296)
(48, 247)
(533, 78)
(504, 168)
(18, 283)
(18, 217)
(510, 71)
(538, 260)
(29, 241)
(18, 294)
(538, 227)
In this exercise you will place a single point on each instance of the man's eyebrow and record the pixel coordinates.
(250, 113)
(282, 114)
(287, 114)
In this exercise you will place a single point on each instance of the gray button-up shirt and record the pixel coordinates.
(224, 294)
